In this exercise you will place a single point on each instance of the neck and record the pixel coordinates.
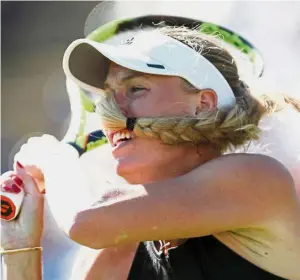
(191, 158)
(198, 156)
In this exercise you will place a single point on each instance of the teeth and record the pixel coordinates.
(119, 136)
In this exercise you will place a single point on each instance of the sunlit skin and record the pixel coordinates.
(142, 160)
(252, 193)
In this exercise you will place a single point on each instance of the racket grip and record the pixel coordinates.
(11, 204)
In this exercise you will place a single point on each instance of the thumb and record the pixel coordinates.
(30, 186)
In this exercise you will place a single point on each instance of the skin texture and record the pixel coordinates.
(178, 214)
(151, 95)
(186, 200)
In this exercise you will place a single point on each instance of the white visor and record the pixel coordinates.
(86, 62)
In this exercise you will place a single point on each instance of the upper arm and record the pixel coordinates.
(229, 192)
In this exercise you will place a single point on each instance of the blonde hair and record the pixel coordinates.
(223, 129)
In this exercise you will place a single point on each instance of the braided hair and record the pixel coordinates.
(223, 129)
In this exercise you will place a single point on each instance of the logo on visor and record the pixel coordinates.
(128, 41)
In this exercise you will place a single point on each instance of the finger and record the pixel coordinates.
(10, 186)
(6, 176)
(7, 188)
(34, 171)
(6, 182)
(30, 185)
(13, 188)
(17, 180)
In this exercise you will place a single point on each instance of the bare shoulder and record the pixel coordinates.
(260, 167)
(258, 180)
(259, 160)
(266, 241)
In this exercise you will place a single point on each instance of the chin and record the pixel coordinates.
(132, 172)
(126, 169)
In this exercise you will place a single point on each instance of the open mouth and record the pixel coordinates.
(121, 136)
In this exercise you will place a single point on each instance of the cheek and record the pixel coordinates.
(147, 107)
(161, 105)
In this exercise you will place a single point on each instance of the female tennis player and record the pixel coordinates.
(175, 111)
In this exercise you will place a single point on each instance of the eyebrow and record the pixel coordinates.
(126, 79)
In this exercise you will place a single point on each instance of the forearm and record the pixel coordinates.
(22, 266)
(195, 204)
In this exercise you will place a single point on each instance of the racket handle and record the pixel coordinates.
(11, 204)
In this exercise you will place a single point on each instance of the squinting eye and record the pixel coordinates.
(136, 89)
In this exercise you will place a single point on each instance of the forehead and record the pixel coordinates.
(115, 70)
(116, 73)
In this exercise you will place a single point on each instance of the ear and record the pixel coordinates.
(207, 99)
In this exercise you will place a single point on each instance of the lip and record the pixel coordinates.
(110, 135)
(120, 145)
